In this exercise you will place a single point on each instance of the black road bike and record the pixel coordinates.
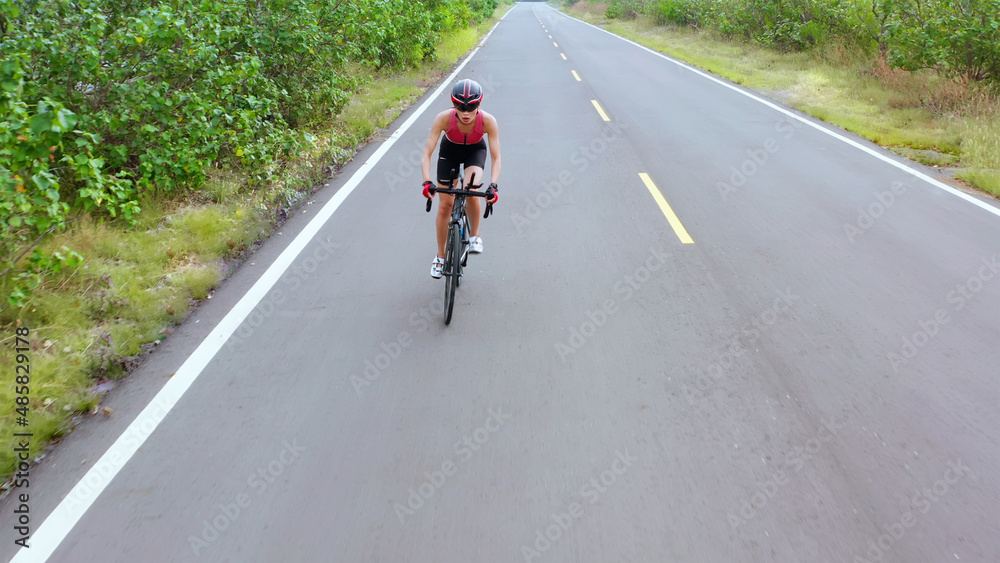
(456, 247)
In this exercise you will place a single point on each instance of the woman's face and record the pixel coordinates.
(466, 116)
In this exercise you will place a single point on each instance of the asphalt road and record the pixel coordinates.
(801, 367)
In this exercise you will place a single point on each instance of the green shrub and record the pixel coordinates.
(627, 9)
(960, 36)
(957, 35)
(679, 12)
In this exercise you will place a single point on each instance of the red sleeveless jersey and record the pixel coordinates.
(456, 136)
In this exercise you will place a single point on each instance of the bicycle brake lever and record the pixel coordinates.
(429, 202)
(489, 206)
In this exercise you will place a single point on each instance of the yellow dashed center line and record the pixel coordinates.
(563, 55)
(665, 208)
(554, 43)
(600, 110)
(576, 76)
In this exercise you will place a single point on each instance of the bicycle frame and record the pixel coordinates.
(460, 219)
(460, 222)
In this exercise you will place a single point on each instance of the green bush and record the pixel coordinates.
(782, 24)
(959, 36)
(482, 9)
(390, 33)
(679, 12)
(962, 36)
(863, 23)
(627, 9)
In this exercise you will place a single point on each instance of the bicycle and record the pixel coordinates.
(456, 248)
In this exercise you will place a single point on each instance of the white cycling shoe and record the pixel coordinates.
(437, 268)
(476, 245)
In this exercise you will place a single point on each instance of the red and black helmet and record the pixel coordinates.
(467, 93)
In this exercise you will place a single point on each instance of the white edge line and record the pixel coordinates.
(68, 512)
(977, 202)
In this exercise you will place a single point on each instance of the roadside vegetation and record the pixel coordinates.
(147, 148)
(921, 78)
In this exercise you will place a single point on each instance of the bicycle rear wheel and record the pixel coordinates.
(452, 270)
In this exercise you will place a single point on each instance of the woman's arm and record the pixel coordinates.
(490, 127)
(432, 140)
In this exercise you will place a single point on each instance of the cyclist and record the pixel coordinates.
(464, 127)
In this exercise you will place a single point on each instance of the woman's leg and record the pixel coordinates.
(472, 204)
(450, 158)
(445, 204)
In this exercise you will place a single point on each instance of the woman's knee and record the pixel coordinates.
(474, 176)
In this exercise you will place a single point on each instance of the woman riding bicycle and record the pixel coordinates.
(464, 127)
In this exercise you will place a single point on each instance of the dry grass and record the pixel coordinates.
(591, 9)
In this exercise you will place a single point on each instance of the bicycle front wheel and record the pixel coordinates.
(452, 270)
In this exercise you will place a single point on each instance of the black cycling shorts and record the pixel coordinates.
(452, 155)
